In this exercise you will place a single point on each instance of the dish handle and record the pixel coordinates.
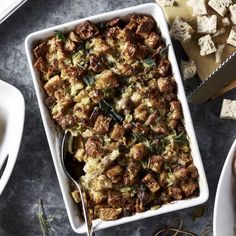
(5, 170)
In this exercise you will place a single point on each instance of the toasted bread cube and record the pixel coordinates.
(206, 44)
(206, 24)
(114, 173)
(109, 213)
(198, 6)
(189, 188)
(106, 80)
(228, 110)
(219, 51)
(138, 151)
(232, 10)
(101, 182)
(188, 69)
(181, 30)
(151, 183)
(53, 85)
(117, 132)
(102, 124)
(220, 6)
(232, 37)
(156, 163)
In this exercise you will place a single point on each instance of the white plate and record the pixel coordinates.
(12, 114)
(8, 7)
(54, 139)
(224, 209)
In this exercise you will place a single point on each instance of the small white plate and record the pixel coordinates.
(224, 209)
(12, 115)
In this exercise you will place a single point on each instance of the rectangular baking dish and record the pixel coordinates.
(54, 137)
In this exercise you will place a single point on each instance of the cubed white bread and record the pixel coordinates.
(218, 32)
(206, 45)
(232, 10)
(165, 3)
(181, 30)
(232, 37)
(207, 24)
(225, 21)
(219, 51)
(198, 7)
(220, 6)
(228, 110)
(188, 69)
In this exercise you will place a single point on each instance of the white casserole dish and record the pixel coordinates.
(54, 139)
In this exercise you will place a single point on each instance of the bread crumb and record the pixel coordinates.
(181, 30)
(232, 10)
(220, 6)
(219, 51)
(232, 37)
(225, 21)
(166, 3)
(206, 24)
(228, 110)
(206, 45)
(188, 69)
(198, 6)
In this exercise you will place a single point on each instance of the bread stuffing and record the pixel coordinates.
(110, 84)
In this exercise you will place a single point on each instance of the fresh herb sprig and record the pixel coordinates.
(60, 36)
(88, 79)
(107, 108)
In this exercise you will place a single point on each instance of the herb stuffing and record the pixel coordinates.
(111, 84)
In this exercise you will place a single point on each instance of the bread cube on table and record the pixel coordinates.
(232, 37)
(206, 45)
(207, 24)
(181, 30)
(165, 3)
(220, 6)
(228, 110)
(232, 10)
(198, 6)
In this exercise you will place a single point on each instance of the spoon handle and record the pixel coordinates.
(87, 219)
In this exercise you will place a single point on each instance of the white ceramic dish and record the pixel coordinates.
(8, 7)
(54, 140)
(12, 114)
(224, 221)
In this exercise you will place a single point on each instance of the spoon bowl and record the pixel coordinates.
(74, 170)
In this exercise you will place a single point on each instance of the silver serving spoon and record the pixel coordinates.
(66, 148)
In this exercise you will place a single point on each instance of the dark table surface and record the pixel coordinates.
(34, 176)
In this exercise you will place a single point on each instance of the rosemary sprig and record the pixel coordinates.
(107, 108)
(43, 220)
(149, 62)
